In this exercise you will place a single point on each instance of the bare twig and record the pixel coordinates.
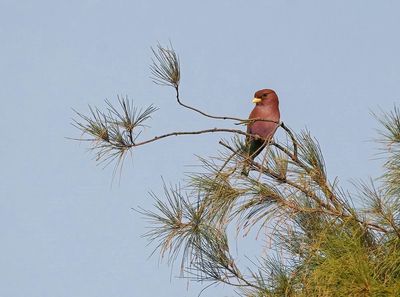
(179, 133)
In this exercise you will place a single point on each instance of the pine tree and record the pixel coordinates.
(325, 243)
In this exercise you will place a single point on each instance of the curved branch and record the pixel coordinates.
(202, 112)
(294, 141)
(241, 121)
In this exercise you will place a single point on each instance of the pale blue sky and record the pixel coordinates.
(64, 230)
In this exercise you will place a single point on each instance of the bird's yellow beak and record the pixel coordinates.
(256, 100)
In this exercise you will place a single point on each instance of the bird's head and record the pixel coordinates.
(265, 96)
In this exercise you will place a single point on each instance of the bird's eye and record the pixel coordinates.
(264, 95)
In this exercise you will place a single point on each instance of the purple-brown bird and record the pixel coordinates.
(267, 107)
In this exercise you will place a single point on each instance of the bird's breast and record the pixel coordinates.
(263, 128)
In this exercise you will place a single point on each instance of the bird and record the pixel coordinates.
(267, 107)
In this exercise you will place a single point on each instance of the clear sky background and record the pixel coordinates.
(65, 229)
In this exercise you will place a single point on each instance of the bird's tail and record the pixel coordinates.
(252, 149)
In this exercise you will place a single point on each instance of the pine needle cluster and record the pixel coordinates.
(112, 133)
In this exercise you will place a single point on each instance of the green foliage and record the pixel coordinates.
(390, 140)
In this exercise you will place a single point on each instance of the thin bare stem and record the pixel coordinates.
(180, 133)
